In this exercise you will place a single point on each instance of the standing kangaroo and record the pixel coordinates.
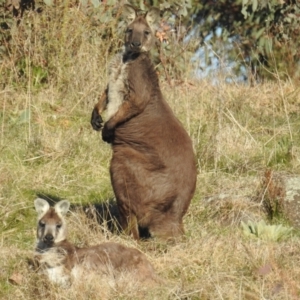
(153, 170)
(64, 262)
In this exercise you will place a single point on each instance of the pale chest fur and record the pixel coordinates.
(58, 275)
(52, 265)
(117, 85)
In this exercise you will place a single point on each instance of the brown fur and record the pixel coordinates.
(153, 171)
(64, 262)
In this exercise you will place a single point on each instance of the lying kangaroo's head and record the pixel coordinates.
(51, 227)
(140, 32)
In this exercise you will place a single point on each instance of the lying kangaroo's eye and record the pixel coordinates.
(129, 30)
(42, 224)
(58, 226)
(147, 32)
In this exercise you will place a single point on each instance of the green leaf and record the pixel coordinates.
(142, 5)
(244, 12)
(182, 11)
(259, 33)
(254, 5)
(288, 19)
(285, 36)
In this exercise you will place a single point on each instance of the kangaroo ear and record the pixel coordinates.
(153, 17)
(62, 207)
(41, 206)
(129, 13)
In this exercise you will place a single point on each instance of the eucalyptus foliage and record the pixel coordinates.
(262, 36)
(258, 39)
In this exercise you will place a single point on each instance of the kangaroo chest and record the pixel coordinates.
(117, 85)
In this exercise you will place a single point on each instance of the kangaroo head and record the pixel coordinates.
(140, 32)
(51, 227)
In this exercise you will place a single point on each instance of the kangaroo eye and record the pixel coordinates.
(58, 226)
(129, 30)
(147, 32)
(42, 224)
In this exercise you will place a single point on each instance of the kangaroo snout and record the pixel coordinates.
(48, 239)
(135, 45)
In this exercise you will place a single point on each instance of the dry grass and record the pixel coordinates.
(238, 132)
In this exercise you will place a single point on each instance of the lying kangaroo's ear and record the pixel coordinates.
(129, 13)
(153, 17)
(62, 207)
(41, 206)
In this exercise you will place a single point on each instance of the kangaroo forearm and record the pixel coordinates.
(96, 119)
(126, 111)
(102, 103)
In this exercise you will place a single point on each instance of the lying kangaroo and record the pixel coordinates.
(63, 262)
(153, 170)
